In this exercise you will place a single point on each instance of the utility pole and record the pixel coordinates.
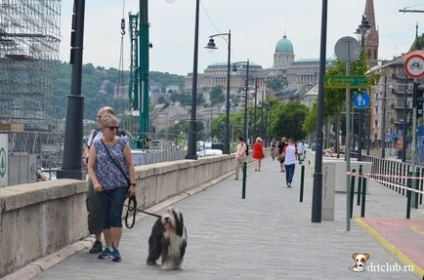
(143, 74)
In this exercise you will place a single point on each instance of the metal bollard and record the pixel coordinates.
(364, 192)
(408, 196)
(358, 201)
(243, 192)
(352, 191)
(302, 182)
(417, 174)
(421, 186)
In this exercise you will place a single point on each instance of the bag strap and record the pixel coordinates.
(116, 163)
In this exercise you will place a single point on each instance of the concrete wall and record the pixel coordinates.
(40, 218)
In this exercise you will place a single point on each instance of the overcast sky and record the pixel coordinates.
(256, 27)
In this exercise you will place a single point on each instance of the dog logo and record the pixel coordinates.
(360, 261)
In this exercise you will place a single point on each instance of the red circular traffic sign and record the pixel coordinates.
(414, 66)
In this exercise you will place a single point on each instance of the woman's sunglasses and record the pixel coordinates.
(113, 127)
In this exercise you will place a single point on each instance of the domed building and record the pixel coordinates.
(284, 55)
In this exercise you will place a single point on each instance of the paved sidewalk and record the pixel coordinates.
(268, 235)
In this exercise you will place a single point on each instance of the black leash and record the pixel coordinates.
(131, 209)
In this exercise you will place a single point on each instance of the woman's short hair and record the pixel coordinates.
(107, 119)
(258, 139)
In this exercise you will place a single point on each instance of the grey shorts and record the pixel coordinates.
(95, 224)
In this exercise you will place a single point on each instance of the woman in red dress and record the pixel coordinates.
(258, 153)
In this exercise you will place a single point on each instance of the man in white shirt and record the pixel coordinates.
(240, 155)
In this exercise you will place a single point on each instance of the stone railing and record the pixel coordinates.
(40, 218)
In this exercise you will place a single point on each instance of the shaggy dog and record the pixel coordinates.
(360, 261)
(168, 240)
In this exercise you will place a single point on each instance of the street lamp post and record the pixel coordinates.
(263, 125)
(191, 153)
(72, 151)
(211, 45)
(362, 29)
(255, 119)
(383, 132)
(317, 187)
(245, 100)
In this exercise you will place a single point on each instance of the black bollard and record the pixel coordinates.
(358, 201)
(408, 196)
(352, 191)
(243, 192)
(364, 192)
(302, 182)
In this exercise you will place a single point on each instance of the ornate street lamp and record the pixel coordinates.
(211, 45)
(362, 30)
(245, 98)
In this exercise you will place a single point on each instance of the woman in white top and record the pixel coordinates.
(290, 152)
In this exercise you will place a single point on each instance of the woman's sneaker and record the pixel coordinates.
(116, 256)
(106, 254)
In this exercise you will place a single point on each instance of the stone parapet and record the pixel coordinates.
(40, 218)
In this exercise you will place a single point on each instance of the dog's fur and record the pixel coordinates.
(168, 240)
(360, 261)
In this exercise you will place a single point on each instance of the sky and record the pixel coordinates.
(256, 27)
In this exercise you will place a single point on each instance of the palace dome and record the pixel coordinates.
(284, 46)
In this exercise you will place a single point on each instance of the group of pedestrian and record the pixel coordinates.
(286, 151)
(111, 180)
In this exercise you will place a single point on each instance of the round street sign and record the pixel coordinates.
(347, 49)
(414, 66)
(361, 100)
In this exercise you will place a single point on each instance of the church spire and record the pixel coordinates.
(372, 39)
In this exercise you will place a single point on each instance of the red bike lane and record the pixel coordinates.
(403, 238)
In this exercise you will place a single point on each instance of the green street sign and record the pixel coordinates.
(345, 81)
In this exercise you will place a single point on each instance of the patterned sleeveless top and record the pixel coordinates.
(108, 174)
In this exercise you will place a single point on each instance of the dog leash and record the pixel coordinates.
(131, 209)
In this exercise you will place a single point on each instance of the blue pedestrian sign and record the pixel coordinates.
(361, 100)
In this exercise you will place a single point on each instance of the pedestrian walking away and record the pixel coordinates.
(301, 151)
(240, 155)
(274, 150)
(290, 152)
(280, 156)
(258, 153)
(112, 171)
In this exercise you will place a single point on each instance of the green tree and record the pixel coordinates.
(217, 95)
(276, 85)
(287, 119)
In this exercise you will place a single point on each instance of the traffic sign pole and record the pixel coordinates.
(414, 136)
(414, 67)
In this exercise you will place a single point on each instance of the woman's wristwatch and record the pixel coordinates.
(133, 184)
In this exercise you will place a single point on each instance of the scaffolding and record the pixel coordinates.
(29, 59)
